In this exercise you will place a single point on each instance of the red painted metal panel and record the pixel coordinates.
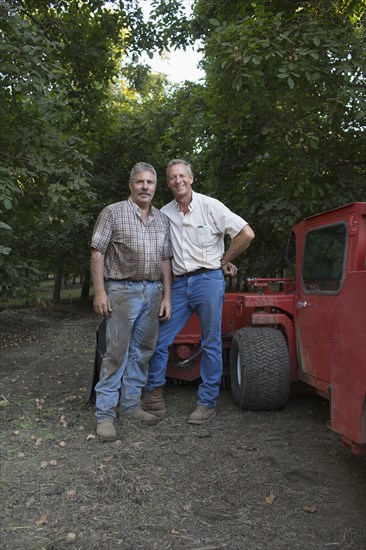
(348, 358)
(331, 328)
(327, 342)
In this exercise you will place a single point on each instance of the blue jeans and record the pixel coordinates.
(131, 333)
(203, 294)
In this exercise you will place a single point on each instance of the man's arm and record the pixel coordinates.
(101, 302)
(237, 246)
(166, 302)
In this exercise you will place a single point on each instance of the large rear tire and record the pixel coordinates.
(259, 369)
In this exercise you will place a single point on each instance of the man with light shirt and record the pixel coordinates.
(198, 225)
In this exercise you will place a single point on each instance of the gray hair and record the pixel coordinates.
(142, 167)
(180, 161)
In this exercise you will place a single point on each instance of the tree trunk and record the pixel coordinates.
(58, 281)
(85, 289)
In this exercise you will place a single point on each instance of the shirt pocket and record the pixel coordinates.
(202, 235)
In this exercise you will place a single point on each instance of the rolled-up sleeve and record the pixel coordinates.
(226, 221)
(167, 251)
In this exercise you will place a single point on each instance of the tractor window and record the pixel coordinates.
(324, 259)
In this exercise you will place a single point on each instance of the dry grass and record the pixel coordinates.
(248, 480)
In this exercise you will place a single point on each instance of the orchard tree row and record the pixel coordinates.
(276, 130)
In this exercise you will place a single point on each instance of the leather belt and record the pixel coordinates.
(129, 280)
(195, 272)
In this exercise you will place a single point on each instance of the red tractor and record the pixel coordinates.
(310, 327)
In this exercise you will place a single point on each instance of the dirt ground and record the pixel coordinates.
(274, 480)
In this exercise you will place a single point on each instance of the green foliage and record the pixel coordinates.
(58, 62)
(286, 105)
(277, 131)
(19, 276)
(43, 168)
(170, 23)
(152, 122)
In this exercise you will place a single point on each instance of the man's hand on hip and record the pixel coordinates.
(229, 269)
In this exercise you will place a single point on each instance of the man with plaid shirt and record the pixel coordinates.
(131, 250)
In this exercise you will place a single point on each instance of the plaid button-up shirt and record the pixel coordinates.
(132, 249)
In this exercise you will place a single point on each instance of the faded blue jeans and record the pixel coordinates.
(203, 294)
(131, 333)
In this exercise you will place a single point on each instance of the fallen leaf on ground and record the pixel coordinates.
(270, 498)
(63, 421)
(70, 398)
(42, 520)
(310, 509)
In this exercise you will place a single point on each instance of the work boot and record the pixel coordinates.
(142, 416)
(153, 402)
(201, 415)
(106, 430)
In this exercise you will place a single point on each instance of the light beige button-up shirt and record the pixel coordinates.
(198, 236)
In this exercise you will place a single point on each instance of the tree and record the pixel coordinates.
(286, 105)
(40, 164)
(58, 62)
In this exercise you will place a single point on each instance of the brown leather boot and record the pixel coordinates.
(201, 415)
(106, 430)
(153, 402)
